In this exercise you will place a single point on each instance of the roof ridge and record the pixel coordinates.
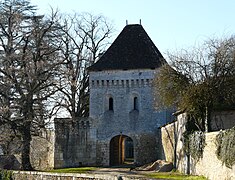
(132, 49)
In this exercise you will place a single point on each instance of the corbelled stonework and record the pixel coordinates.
(123, 124)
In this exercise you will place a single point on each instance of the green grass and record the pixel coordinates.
(74, 170)
(158, 175)
(174, 175)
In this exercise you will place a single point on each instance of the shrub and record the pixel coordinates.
(194, 143)
(225, 142)
(6, 175)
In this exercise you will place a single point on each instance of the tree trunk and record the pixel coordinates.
(25, 152)
(175, 144)
(188, 165)
(73, 101)
(207, 120)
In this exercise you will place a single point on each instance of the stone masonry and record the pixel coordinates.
(123, 125)
(139, 124)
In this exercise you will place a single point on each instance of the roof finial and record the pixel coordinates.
(126, 22)
(140, 21)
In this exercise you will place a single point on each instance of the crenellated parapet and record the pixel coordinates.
(123, 120)
(121, 83)
(75, 142)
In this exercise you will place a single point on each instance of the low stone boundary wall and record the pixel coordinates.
(33, 175)
(209, 165)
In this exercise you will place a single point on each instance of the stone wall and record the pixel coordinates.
(222, 120)
(123, 87)
(19, 175)
(41, 153)
(130, 113)
(168, 141)
(209, 166)
(78, 147)
(146, 148)
(75, 142)
(171, 139)
(133, 113)
(42, 150)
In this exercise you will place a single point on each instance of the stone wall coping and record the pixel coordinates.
(93, 175)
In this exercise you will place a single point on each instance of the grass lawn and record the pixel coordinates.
(174, 175)
(74, 170)
(157, 175)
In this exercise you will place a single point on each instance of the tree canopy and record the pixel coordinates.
(85, 38)
(29, 66)
(43, 61)
(199, 80)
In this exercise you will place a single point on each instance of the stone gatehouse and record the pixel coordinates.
(123, 125)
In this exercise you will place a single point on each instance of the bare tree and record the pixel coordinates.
(86, 37)
(9, 141)
(29, 63)
(200, 80)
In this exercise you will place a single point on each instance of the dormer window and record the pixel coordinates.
(111, 104)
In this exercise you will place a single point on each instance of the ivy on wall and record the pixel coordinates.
(6, 175)
(194, 143)
(225, 142)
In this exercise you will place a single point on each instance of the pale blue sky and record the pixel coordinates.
(171, 24)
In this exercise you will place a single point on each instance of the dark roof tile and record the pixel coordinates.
(132, 49)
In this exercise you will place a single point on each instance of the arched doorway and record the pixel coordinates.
(121, 151)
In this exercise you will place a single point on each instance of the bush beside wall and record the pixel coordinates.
(208, 165)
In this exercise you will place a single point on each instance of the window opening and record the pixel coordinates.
(111, 104)
(135, 103)
(87, 124)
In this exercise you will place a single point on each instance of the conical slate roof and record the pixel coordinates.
(132, 49)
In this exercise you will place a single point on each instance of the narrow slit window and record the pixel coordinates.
(88, 124)
(135, 103)
(111, 104)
